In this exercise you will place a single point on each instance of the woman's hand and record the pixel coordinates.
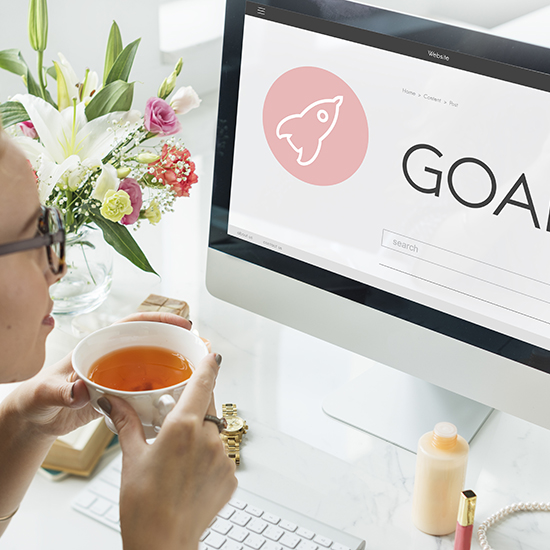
(55, 402)
(171, 490)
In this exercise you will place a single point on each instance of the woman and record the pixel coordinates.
(184, 479)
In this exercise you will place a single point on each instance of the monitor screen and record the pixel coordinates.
(399, 166)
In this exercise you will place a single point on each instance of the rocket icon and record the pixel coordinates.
(306, 131)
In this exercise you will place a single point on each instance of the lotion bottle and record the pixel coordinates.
(439, 480)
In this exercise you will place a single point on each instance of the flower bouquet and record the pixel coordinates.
(87, 145)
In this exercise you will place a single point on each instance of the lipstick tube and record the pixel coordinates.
(465, 521)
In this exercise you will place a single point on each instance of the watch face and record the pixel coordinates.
(234, 424)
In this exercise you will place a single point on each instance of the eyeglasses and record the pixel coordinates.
(51, 235)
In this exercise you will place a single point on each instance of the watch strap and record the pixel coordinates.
(229, 409)
(232, 442)
(233, 449)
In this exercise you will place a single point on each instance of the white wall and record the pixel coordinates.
(79, 29)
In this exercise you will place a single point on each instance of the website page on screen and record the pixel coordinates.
(425, 180)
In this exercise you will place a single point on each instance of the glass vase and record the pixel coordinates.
(87, 282)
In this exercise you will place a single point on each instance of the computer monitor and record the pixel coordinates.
(381, 182)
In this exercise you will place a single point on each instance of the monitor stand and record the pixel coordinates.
(400, 408)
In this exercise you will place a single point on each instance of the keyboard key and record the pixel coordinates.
(232, 545)
(222, 526)
(305, 533)
(238, 533)
(270, 545)
(215, 540)
(288, 525)
(204, 535)
(100, 506)
(237, 504)
(323, 541)
(241, 518)
(113, 514)
(306, 545)
(226, 512)
(256, 525)
(106, 490)
(254, 541)
(271, 518)
(86, 499)
(289, 540)
(112, 477)
(273, 533)
(338, 546)
(254, 511)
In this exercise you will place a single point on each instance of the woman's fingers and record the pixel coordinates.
(197, 396)
(158, 317)
(127, 423)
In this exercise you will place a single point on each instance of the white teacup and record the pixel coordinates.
(152, 406)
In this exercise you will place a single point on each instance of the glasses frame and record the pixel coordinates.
(47, 239)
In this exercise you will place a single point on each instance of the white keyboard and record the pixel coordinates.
(247, 522)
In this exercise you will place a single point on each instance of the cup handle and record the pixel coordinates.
(164, 405)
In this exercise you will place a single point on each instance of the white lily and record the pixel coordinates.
(67, 141)
(107, 181)
(69, 87)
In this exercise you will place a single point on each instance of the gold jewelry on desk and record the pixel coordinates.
(5, 518)
(232, 436)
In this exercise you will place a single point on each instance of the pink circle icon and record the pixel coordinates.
(315, 126)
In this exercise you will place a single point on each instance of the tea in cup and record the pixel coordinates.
(145, 363)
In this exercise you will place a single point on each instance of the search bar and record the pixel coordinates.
(466, 275)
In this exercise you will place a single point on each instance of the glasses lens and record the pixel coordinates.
(56, 250)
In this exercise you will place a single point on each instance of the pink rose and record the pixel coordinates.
(160, 118)
(131, 186)
(28, 129)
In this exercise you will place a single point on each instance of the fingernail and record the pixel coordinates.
(218, 359)
(104, 404)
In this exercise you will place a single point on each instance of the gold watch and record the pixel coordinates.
(233, 434)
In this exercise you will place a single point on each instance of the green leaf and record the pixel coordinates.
(12, 61)
(121, 240)
(52, 72)
(117, 96)
(123, 64)
(32, 85)
(12, 112)
(34, 88)
(114, 48)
